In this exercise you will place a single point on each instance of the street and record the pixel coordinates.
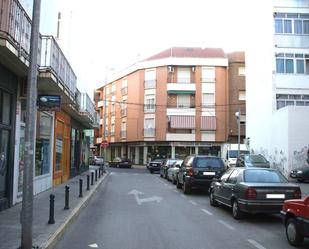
(136, 209)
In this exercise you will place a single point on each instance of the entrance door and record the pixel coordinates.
(5, 133)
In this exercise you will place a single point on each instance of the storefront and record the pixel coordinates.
(8, 90)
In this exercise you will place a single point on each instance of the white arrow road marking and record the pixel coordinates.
(257, 245)
(226, 225)
(193, 202)
(206, 211)
(93, 245)
(142, 200)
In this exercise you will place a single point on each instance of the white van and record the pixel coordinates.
(229, 153)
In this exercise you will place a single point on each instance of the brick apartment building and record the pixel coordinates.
(172, 104)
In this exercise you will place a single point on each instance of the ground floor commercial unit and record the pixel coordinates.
(142, 152)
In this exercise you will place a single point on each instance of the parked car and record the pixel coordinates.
(198, 171)
(172, 172)
(155, 165)
(301, 174)
(165, 166)
(252, 160)
(96, 160)
(121, 162)
(252, 190)
(295, 216)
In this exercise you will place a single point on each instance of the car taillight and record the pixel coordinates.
(297, 194)
(251, 194)
(190, 172)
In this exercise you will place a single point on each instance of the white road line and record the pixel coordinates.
(175, 190)
(165, 184)
(206, 211)
(257, 245)
(183, 196)
(226, 225)
(193, 202)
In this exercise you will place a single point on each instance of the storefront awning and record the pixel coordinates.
(208, 123)
(182, 122)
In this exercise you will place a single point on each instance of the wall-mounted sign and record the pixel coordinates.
(49, 102)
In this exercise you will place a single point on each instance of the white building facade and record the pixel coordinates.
(277, 83)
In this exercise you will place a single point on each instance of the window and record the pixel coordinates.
(149, 103)
(291, 23)
(292, 100)
(184, 75)
(150, 78)
(183, 100)
(149, 127)
(292, 63)
(208, 74)
(124, 83)
(241, 95)
(241, 71)
(233, 177)
(113, 88)
(208, 99)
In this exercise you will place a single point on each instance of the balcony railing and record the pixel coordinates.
(123, 112)
(149, 108)
(149, 84)
(87, 106)
(180, 106)
(123, 134)
(53, 60)
(173, 79)
(149, 132)
(15, 25)
(124, 90)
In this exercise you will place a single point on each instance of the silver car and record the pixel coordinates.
(173, 171)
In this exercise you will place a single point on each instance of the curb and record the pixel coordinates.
(50, 243)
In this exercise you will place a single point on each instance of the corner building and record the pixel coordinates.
(172, 104)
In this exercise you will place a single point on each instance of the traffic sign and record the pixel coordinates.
(104, 143)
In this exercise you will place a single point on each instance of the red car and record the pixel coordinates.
(295, 215)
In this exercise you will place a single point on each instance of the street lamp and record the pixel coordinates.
(237, 114)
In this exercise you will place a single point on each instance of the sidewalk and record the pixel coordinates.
(44, 234)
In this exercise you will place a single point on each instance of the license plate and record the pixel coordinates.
(209, 173)
(275, 196)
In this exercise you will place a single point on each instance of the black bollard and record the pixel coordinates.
(99, 172)
(51, 209)
(88, 182)
(92, 175)
(67, 196)
(96, 175)
(80, 188)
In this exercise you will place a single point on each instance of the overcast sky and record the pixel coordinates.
(107, 34)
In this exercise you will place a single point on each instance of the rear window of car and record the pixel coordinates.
(255, 159)
(209, 162)
(264, 176)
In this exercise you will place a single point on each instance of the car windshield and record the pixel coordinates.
(158, 160)
(264, 176)
(255, 159)
(170, 162)
(209, 162)
(99, 157)
(234, 153)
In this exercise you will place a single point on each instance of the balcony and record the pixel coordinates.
(123, 112)
(150, 84)
(123, 134)
(55, 73)
(175, 80)
(180, 137)
(124, 90)
(180, 88)
(15, 33)
(148, 108)
(149, 132)
(100, 103)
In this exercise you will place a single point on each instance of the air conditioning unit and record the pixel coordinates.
(170, 69)
(193, 69)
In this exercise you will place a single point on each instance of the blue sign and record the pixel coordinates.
(49, 102)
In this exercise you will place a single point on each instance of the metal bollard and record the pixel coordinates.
(51, 209)
(67, 196)
(88, 182)
(80, 188)
(96, 175)
(92, 175)
(99, 172)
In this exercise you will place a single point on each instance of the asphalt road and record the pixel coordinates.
(138, 210)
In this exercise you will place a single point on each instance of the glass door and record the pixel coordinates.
(4, 157)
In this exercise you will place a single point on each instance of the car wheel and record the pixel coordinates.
(212, 199)
(186, 188)
(173, 180)
(292, 233)
(151, 171)
(237, 213)
(117, 165)
(178, 184)
(161, 175)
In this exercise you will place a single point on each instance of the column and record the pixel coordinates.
(129, 152)
(196, 150)
(145, 155)
(136, 159)
(122, 150)
(173, 151)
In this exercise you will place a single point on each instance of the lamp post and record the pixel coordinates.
(237, 114)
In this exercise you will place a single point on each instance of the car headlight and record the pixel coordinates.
(299, 172)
